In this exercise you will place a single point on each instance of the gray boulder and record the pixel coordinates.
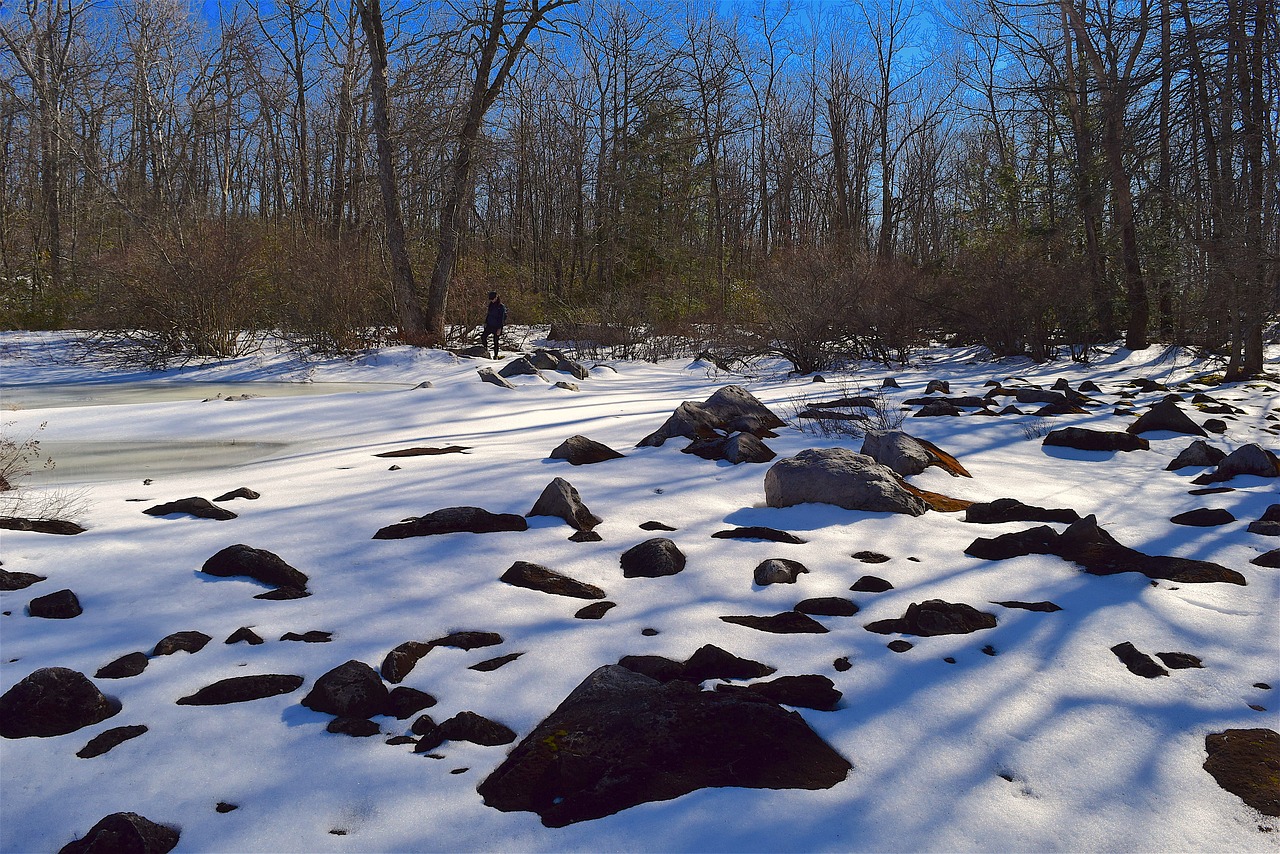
(53, 701)
(907, 455)
(622, 739)
(738, 448)
(778, 571)
(840, 477)
(1198, 453)
(519, 367)
(559, 498)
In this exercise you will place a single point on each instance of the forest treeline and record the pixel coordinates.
(819, 180)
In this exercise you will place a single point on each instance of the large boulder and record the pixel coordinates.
(731, 409)
(737, 448)
(124, 833)
(1247, 459)
(559, 498)
(840, 477)
(258, 564)
(452, 520)
(350, 690)
(907, 455)
(1166, 416)
(53, 701)
(581, 451)
(622, 739)
(1084, 439)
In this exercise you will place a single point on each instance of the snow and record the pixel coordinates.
(1100, 759)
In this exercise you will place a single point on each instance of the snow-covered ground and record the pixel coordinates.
(1050, 744)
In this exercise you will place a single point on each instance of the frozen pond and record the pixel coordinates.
(77, 462)
(58, 395)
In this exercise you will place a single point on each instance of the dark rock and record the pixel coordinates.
(655, 526)
(452, 520)
(191, 642)
(935, 617)
(123, 667)
(567, 386)
(585, 537)
(243, 492)
(729, 410)
(1216, 426)
(1145, 385)
(737, 448)
(314, 636)
(1083, 439)
(827, 606)
(59, 605)
(649, 633)
(1271, 514)
(870, 557)
(778, 571)
(712, 662)
(467, 726)
(404, 702)
(1033, 541)
(52, 701)
(1166, 416)
(284, 593)
(401, 660)
(534, 577)
(889, 382)
(757, 532)
(422, 725)
(40, 526)
(18, 580)
(1086, 544)
(1246, 762)
(900, 645)
(581, 451)
(1179, 660)
(491, 376)
(594, 611)
(1270, 560)
(622, 739)
(786, 623)
(258, 564)
(652, 559)
(1204, 517)
(1045, 607)
(351, 690)
(1090, 386)
(124, 833)
(559, 498)
(656, 667)
(1247, 459)
(907, 454)
(519, 366)
(195, 506)
(244, 634)
(805, 692)
(990, 650)
(937, 386)
(1012, 510)
(870, 584)
(1198, 453)
(242, 689)
(842, 664)
(425, 452)
(494, 663)
(1211, 490)
(355, 727)
(468, 640)
(104, 741)
(937, 409)
(1139, 663)
(840, 477)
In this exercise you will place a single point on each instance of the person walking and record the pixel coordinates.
(494, 320)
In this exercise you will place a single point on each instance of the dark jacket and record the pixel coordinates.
(496, 317)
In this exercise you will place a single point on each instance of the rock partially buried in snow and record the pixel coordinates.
(1166, 416)
(840, 477)
(805, 692)
(1084, 439)
(621, 739)
(453, 520)
(935, 617)
(19, 580)
(104, 741)
(1246, 762)
(653, 558)
(559, 498)
(242, 689)
(489, 375)
(1138, 662)
(785, 623)
(350, 690)
(195, 506)
(258, 564)
(59, 605)
(729, 410)
(53, 701)
(757, 532)
(1012, 510)
(581, 451)
(737, 448)
(1247, 459)
(778, 571)
(1198, 453)
(534, 577)
(124, 833)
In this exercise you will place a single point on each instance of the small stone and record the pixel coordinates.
(870, 557)
(104, 741)
(900, 645)
(870, 584)
(650, 632)
(990, 650)
(60, 605)
(1139, 663)
(495, 663)
(594, 611)
(308, 637)
(655, 526)
(243, 492)
(1204, 517)
(191, 642)
(585, 537)
(244, 634)
(1179, 660)
(123, 667)
(788, 622)
(355, 727)
(224, 807)
(842, 664)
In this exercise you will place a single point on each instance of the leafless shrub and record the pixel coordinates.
(1036, 428)
(20, 456)
(873, 411)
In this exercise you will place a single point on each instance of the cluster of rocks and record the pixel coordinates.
(533, 364)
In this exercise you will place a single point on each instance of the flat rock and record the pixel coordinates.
(622, 739)
(191, 642)
(1139, 663)
(422, 452)
(534, 577)
(313, 636)
(491, 664)
(1204, 517)
(242, 689)
(1012, 510)
(736, 449)
(1042, 540)
(19, 580)
(1198, 453)
(468, 640)
(758, 532)
(1084, 439)
(52, 701)
(40, 526)
(1246, 762)
(261, 565)
(806, 692)
(651, 525)
(870, 584)
(354, 727)
(594, 611)
(712, 662)
(243, 492)
(840, 477)
(786, 623)
(581, 451)
(199, 507)
(453, 520)
(107, 739)
(935, 617)
(778, 571)
(489, 375)
(124, 833)
(59, 605)
(653, 558)
(870, 557)
(827, 606)
(1166, 416)
(585, 537)
(560, 499)
(1264, 528)
(1180, 660)
(124, 667)
(731, 409)
(350, 690)
(1045, 607)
